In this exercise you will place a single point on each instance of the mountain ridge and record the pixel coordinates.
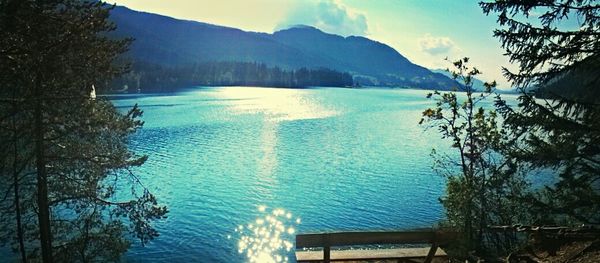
(171, 42)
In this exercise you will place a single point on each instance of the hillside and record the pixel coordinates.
(580, 83)
(167, 42)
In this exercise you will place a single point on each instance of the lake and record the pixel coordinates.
(237, 164)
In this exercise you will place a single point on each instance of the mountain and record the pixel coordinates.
(167, 42)
(371, 62)
(581, 82)
(478, 84)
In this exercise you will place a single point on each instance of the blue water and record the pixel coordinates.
(331, 159)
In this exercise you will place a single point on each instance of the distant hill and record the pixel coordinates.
(580, 83)
(167, 42)
(374, 63)
(478, 84)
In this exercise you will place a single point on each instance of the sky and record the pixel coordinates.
(424, 31)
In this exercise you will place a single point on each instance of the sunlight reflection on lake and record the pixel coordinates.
(269, 238)
(275, 104)
(216, 153)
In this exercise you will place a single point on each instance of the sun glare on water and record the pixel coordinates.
(276, 104)
(269, 237)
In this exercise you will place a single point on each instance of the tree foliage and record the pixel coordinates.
(67, 190)
(554, 41)
(482, 183)
(155, 78)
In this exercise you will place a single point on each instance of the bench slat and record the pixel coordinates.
(366, 238)
(369, 254)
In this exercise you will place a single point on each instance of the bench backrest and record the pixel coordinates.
(367, 238)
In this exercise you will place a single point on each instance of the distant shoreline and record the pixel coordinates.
(192, 88)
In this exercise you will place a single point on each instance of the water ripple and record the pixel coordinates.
(340, 159)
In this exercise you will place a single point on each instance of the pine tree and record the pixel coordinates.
(65, 160)
(555, 41)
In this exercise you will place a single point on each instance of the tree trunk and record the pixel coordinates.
(17, 197)
(42, 181)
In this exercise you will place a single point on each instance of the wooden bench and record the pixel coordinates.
(327, 240)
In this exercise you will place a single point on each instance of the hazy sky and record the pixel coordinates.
(424, 31)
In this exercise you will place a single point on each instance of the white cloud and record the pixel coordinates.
(328, 15)
(437, 45)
